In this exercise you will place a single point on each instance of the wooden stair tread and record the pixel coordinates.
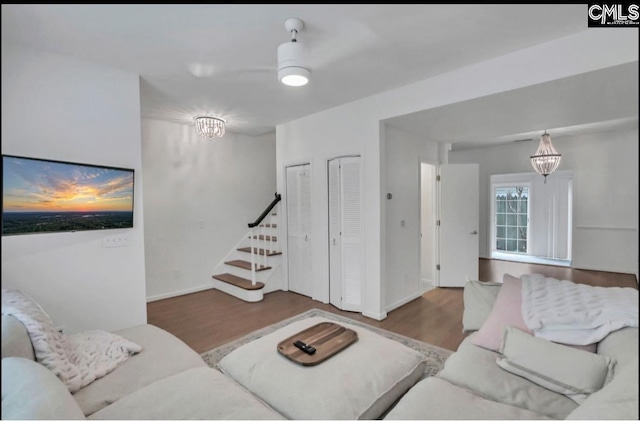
(238, 281)
(269, 226)
(261, 252)
(266, 237)
(246, 265)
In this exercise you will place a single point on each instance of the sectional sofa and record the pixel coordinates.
(373, 379)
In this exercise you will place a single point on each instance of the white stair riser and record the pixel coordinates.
(261, 276)
(251, 296)
(274, 274)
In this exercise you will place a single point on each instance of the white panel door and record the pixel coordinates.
(298, 198)
(459, 216)
(345, 234)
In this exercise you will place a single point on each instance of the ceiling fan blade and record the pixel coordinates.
(204, 70)
(339, 43)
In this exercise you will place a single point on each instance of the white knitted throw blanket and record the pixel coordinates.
(576, 314)
(76, 359)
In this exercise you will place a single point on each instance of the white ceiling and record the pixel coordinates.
(221, 59)
(597, 101)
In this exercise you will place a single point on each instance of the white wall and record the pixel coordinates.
(199, 196)
(56, 107)
(404, 152)
(357, 128)
(605, 193)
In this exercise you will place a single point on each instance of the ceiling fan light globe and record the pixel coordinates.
(294, 76)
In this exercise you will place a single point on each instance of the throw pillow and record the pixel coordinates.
(479, 298)
(76, 359)
(569, 371)
(507, 311)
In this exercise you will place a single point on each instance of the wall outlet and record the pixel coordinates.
(117, 240)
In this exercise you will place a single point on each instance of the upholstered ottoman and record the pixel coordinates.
(360, 382)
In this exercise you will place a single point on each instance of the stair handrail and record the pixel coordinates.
(266, 211)
(255, 235)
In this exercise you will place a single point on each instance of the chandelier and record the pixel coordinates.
(210, 127)
(546, 159)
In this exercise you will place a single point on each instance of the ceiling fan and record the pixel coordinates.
(297, 59)
(293, 66)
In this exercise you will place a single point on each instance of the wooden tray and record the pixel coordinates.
(327, 338)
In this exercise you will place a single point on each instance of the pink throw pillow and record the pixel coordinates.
(507, 311)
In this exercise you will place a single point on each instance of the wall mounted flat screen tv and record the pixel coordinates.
(44, 196)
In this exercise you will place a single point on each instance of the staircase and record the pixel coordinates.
(246, 271)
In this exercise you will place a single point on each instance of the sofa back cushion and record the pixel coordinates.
(30, 391)
(618, 400)
(479, 298)
(15, 339)
(621, 345)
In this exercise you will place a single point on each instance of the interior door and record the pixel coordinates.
(335, 243)
(345, 234)
(298, 229)
(459, 221)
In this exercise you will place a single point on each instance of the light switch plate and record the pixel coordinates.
(117, 240)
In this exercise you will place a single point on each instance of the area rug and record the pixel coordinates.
(435, 356)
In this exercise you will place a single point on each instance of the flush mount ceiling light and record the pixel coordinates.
(546, 159)
(210, 127)
(292, 68)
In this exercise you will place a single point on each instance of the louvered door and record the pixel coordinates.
(298, 198)
(345, 234)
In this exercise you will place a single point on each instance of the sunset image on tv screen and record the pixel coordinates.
(51, 196)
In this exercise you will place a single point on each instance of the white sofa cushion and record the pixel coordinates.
(162, 355)
(478, 298)
(437, 399)
(475, 368)
(15, 339)
(198, 393)
(360, 382)
(32, 391)
(621, 345)
(618, 400)
(562, 369)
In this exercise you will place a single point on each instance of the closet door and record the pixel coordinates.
(345, 231)
(335, 243)
(298, 228)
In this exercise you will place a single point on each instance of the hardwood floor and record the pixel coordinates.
(207, 319)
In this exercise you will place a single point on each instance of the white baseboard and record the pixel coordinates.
(178, 293)
(604, 269)
(404, 301)
(376, 316)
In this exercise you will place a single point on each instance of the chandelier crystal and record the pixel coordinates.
(546, 159)
(210, 127)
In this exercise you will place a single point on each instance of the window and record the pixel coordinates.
(530, 218)
(511, 218)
